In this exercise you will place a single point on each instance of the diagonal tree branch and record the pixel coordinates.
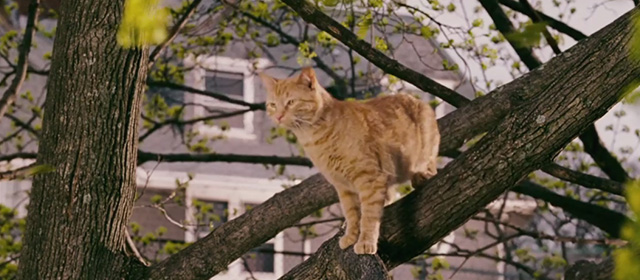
(583, 179)
(218, 96)
(325, 23)
(524, 141)
(503, 24)
(605, 160)
(9, 96)
(535, 17)
(554, 23)
(179, 122)
(590, 139)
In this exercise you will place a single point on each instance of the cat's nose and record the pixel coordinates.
(279, 118)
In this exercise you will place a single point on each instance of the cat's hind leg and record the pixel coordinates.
(426, 165)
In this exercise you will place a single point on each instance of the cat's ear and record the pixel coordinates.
(308, 78)
(268, 81)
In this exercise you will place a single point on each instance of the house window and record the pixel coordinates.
(150, 221)
(209, 214)
(261, 258)
(210, 201)
(231, 77)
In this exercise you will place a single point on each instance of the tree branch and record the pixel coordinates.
(12, 91)
(325, 23)
(16, 173)
(21, 155)
(536, 18)
(554, 23)
(175, 121)
(218, 96)
(587, 270)
(174, 31)
(504, 25)
(606, 219)
(359, 266)
(340, 83)
(146, 156)
(583, 179)
(590, 139)
(607, 162)
(537, 130)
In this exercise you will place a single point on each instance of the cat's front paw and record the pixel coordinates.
(365, 247)
(347, 240)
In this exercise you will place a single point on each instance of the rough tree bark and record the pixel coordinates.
(548, 106)
(77, 215)
(581, 86)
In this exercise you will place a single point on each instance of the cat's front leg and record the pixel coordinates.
(351, 212)
(373, 192)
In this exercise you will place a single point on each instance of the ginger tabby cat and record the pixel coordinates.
(363, 149)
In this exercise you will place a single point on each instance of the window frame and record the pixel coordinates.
(195, 78)
(236, 191)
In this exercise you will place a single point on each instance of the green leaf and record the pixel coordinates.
(143, 23)
(530, 36)
(40, 169)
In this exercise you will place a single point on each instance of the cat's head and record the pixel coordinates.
(293, 102)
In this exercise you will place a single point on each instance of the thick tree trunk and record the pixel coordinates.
(78, 213)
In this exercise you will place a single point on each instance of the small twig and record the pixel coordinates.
(318, 222)
(26, 126)
(166, 215)
(174, 31)
(134, 250)
(10, 94)
(175, 121)
(146, 183)
(218, 96)
(247, 268)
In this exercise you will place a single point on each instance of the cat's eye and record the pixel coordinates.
(271, 106)
(290, 102)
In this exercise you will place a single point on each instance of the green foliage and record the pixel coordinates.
(627, 258)
(11, 229)
(364, 25)
(634, 44)
(143, 23)
(529, 36)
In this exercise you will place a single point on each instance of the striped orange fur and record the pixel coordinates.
(363, 149)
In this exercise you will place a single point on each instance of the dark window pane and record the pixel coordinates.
(225, 83)
(209, 214)
(260, 259)
(171, 97)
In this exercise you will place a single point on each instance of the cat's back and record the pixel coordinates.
(399, 107)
